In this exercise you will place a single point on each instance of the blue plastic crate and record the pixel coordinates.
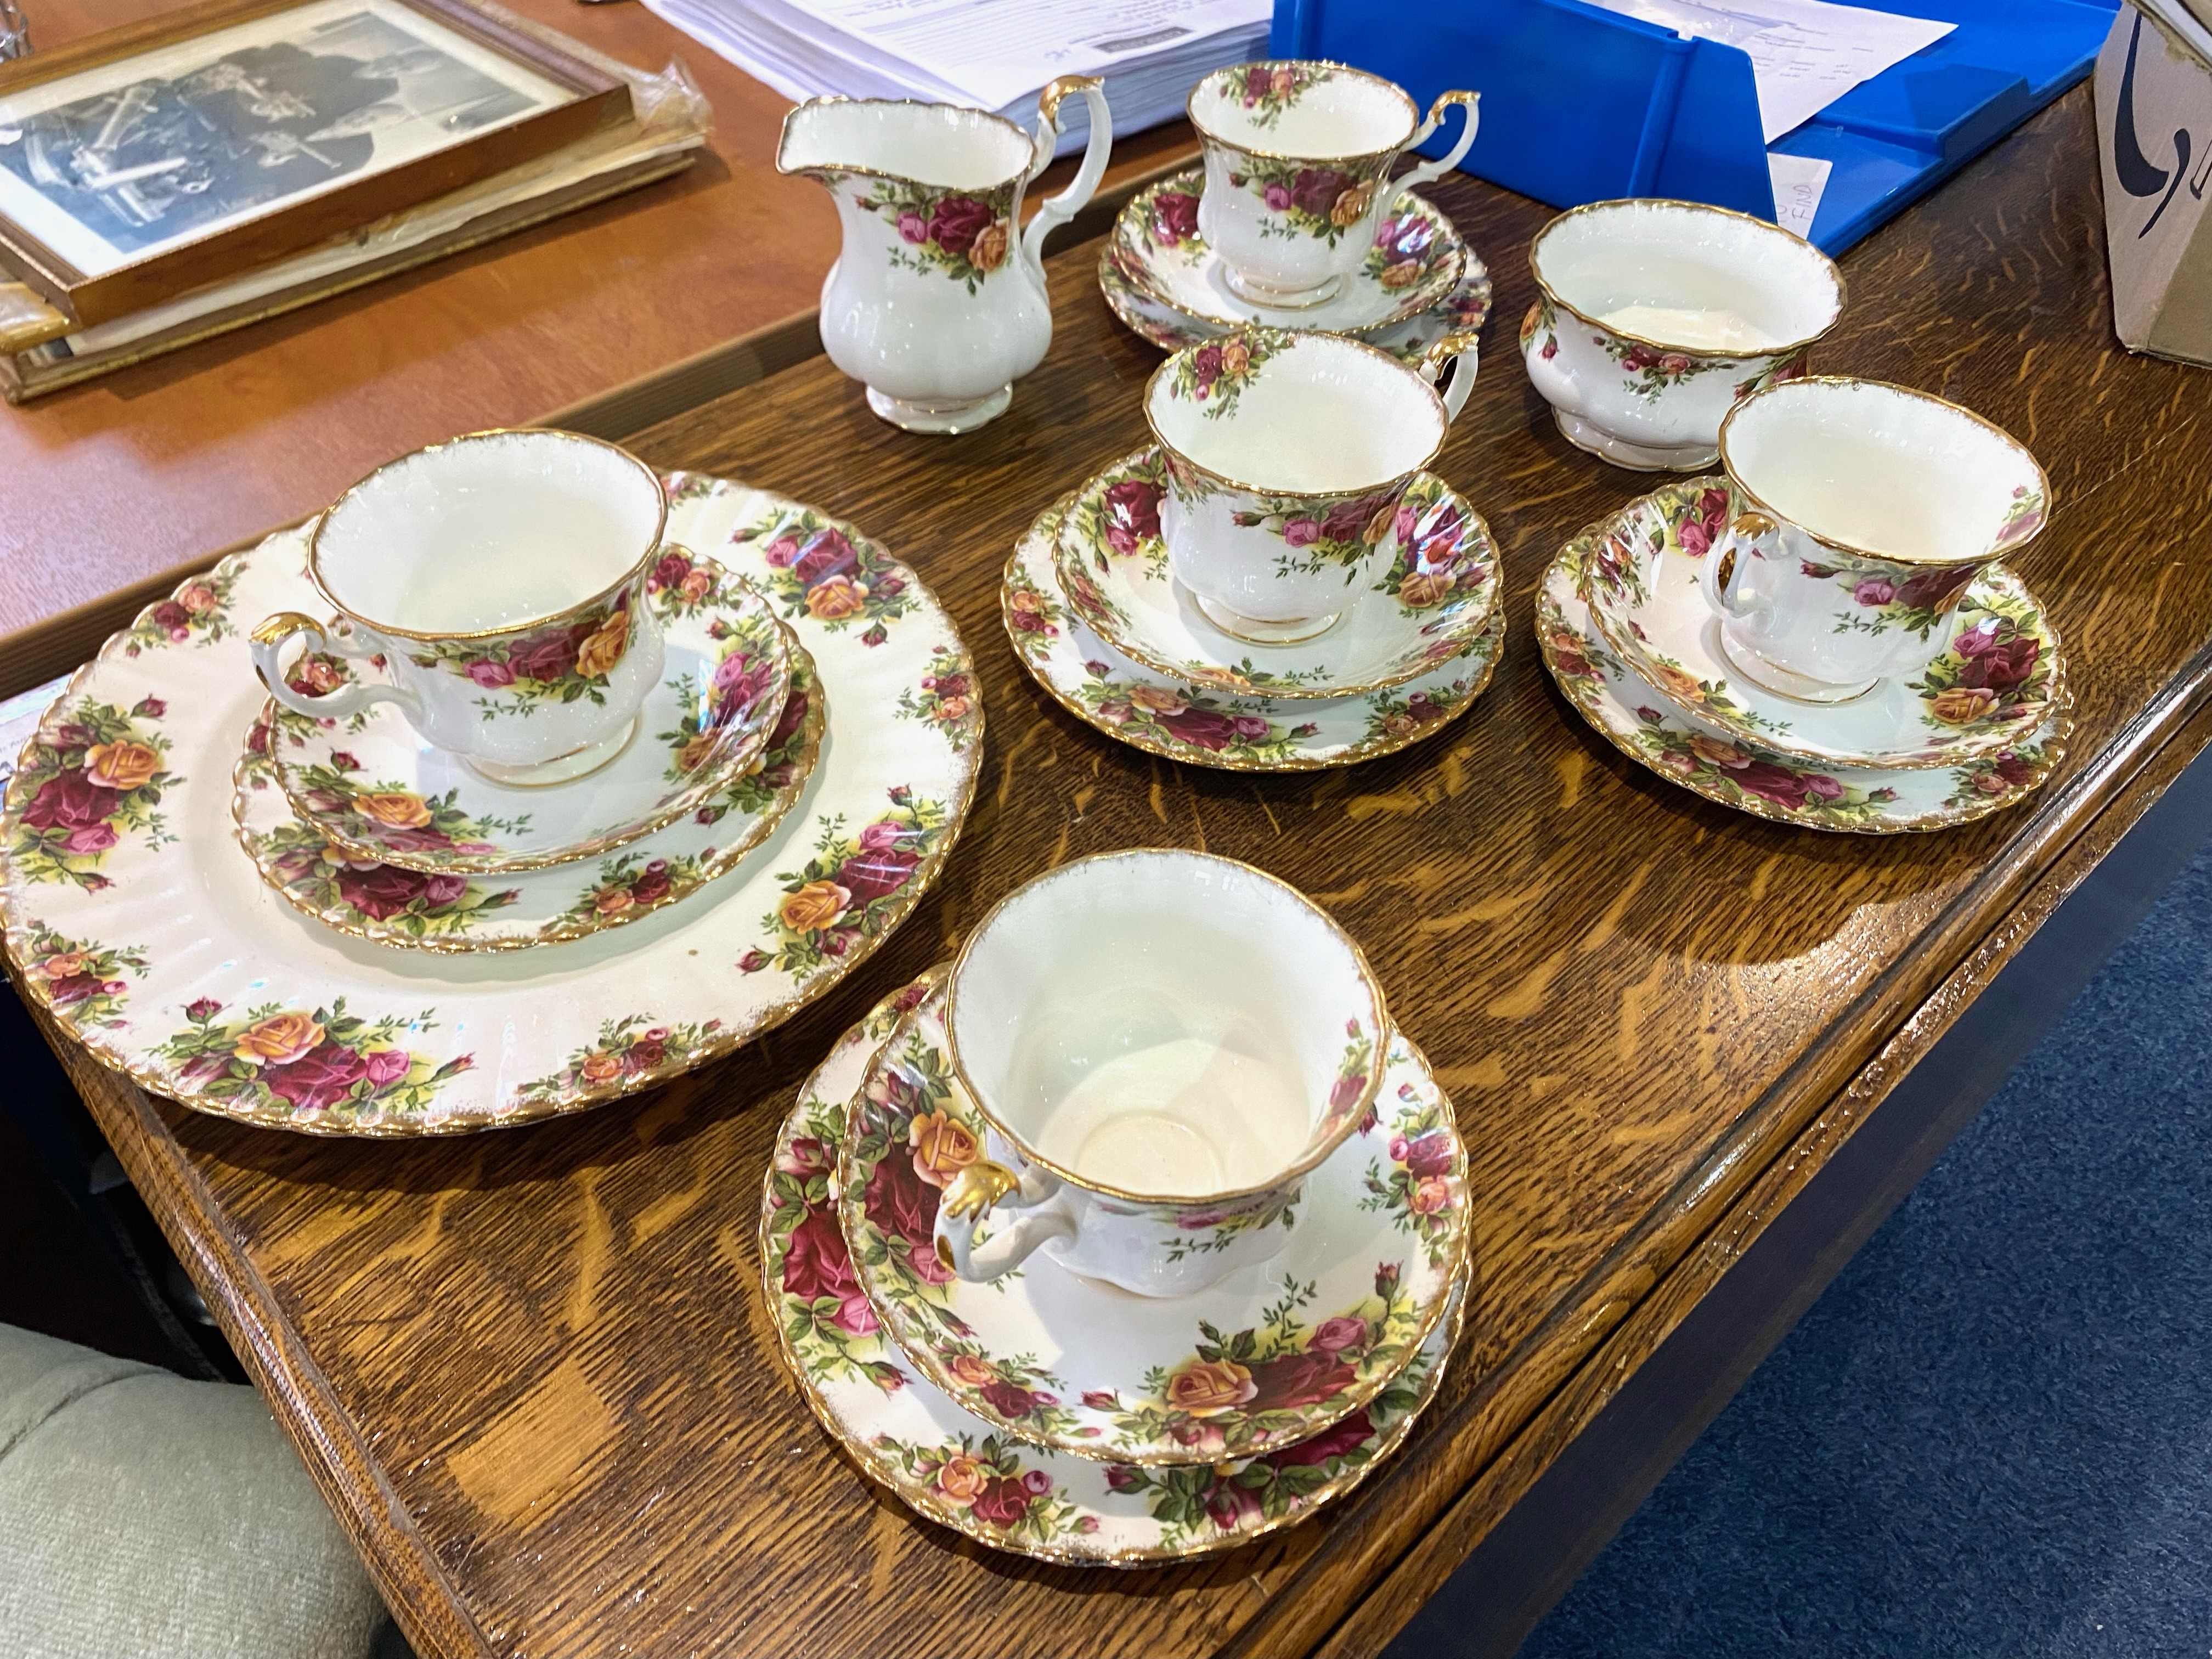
(1582, 105)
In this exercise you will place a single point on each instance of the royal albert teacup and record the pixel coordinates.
(1298, 162)
(499, 579)
(1654, 316)
(937, 300)
(1287, 454)
(1863, 512)
(1163, 1045)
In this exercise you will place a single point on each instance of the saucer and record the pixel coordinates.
(2000, 679)
(1178, 721)
(1433, 559)
(377, 789)
(514, 910)
(1273, 1353)
(1416, 259)
(957, 1470)
(1643, 724)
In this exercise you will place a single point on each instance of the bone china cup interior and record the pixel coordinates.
(1083, 995)
(1656, 316)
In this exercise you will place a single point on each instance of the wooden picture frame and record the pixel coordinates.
(139, 164)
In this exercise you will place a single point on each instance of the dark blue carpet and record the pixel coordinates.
(1992, 1434)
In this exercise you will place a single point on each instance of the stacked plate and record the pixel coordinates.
(1625, 629)
(1056, 1416)
(331, 925)
(1098, 616)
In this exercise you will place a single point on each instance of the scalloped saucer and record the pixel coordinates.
(516, 909)
(375, 788)
(1270, 1354)
(1645, 726)
(959, 1471)
(1417, 259)
(1179, 722)
(1999, 680)
(1436, 571)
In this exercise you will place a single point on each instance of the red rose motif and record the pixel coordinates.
(1258, 78)
(544, 657)
(1347, 1093)
(1011, 1400)
(1293, 1380)
(1203, 727)
(1228, 1505)
(816, 1264)
(92, 838)
(1102, 1399)
(382, 890)
(830, 554)
(1001, 1503)
(1930, 589)
(913, 228)
(171, 616)
(1674, 363)
(150, 708)
(76, 988)
(1277, 196)
(958, 222)
(1551, 347)
(200, 1009)
(1340, 1439)
(1133, 514)
(1639, 358)
(1875, 591)
(489, 674)
(2001, 667)
(1424, 1155)
(671, 570)
(1336, 1335)
(1778, 784)
(1175, 216)
(1315, 189)
(902, 1204)
(1702, 527)
(645, 1054)
(1206, 368)
(871, 876)
(652, 884)
(2012, 769)
(383, 1066)
(1301, 532)
(781, 551)
(753, 961)
(319, 1079)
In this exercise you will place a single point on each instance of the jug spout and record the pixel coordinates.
(940, 146)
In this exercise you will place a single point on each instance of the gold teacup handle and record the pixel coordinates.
(1429, 172)
(1751, 531)
(267, 643)
(971, 1196)
(1457, 351)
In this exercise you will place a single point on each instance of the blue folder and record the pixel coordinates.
(1582, 105)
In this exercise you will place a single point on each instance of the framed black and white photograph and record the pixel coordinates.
(131, 178)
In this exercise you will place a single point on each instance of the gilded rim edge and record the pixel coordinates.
(729, 772)
(1016, 180)
(1413, 111)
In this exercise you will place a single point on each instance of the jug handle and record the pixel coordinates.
(1059, 209)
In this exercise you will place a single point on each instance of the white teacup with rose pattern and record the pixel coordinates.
(1163, 1045)
(1298, 162)
(499, 580)
(1871, 508)
(1653, 317)
(1287, 454)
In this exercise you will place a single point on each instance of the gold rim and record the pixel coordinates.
(1128, 222)
(637, 569)
(2059, 726)
(727, 773)
(1464, 637)
(1014, 180)
(1991, 552)
(555, 931)
(1536, 269)
(1412, 111)
(1311, 1159)
(959, 797)
(924, 1361)
(1324, 340)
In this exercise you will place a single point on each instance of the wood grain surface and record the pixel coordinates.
(104, 485)
(532, 1369)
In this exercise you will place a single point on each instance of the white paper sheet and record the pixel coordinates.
(1799, 181)
(1805, 54)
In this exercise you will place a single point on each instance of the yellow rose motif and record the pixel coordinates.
(1422, 589)
(1380, 525)
(121, 765)
(1206, 1387)
(942, 1148)
(1404, 274)
(600, 1067)
(1234, 356)
(611, 901)
(397, 808)
(974, 1372)
(278, 1039)
(199, 599)
(1158, 699)
(1350, 205)
(962, 1479)
(600, 654)
(989, 250)
(1677, 682)
(1962, 705)
(1714, 752)
(701, 750)
(67, 965)
(1282, 83)
(815, 906)
(840, 596)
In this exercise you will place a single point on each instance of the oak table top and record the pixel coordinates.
(104, 484)
(532, 1369)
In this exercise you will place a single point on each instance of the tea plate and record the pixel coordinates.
(380, 791)
(1639, 720)
(514, 910)
(1434, 564)
(1417, 259)
(961, 1472)
(1998, 680)
(212, 989)
(1179, 722)
(1272, 1353)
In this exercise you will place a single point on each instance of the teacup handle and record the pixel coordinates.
(1429, 172)
(1059, 209)
(1717, 570)
(269, 640)
(971, 1196)
(1458, 352)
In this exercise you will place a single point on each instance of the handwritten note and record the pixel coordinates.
(1799, 181)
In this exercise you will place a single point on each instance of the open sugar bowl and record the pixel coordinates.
(1654, 316)
(1161, 1045)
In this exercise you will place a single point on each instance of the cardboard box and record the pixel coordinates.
(2154, 90)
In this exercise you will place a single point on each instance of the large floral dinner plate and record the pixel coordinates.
(961, 1472)
(133, 916)
(1639, 720)
(1272, 1353)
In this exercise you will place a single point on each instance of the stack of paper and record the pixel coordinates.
(988, 54)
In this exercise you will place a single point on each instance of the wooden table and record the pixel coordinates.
(531, 1370)
(107, 484)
